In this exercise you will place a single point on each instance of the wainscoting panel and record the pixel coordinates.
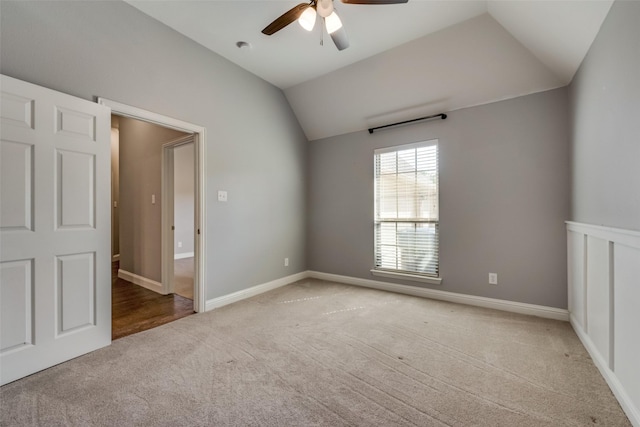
(627, 319)
(576, 244)
(604, 291)
(598, 295)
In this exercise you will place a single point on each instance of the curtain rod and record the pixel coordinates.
(441, 115)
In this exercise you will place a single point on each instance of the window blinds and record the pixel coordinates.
(406, 208)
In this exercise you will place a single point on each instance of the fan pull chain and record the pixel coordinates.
(322, 33)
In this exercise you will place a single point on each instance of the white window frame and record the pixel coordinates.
(398, 273)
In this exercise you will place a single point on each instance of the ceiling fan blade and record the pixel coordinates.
(340, 38)
(374, 1)
(285, 19)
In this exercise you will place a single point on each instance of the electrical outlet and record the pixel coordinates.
(286, 262)
(222, 196)
(493, 278)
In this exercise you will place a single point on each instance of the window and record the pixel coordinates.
(406, 211)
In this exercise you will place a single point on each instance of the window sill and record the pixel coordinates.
(405, 276)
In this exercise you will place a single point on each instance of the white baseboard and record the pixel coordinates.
(629, 408)
(253, 291)
(115, 258)
(184, 255)
(497, 304)
(141, 281)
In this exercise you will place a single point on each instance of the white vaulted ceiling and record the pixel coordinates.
(405, 60)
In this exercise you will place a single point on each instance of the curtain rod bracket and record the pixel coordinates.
(441, 115)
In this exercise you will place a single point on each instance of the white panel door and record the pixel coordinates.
(55, 253)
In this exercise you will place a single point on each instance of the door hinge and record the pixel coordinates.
(198, 231)
(173, 227)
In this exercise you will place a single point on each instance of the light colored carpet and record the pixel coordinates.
(323, 354)
(183, 277)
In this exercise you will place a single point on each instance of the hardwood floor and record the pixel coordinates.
(135, 309)
(183, 277)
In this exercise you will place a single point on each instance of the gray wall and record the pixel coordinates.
(605, 107)
(255, 147)
(504, 197)
(140, 178)
(184, 198)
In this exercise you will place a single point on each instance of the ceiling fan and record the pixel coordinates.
(306, 15)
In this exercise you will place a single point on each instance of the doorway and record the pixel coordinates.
(186, 137)
(178, 215)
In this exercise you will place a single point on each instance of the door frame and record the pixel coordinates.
(199, 139)
(168, 210)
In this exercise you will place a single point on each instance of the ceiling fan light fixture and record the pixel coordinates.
(340, 38)
(333, 23)
(308, 19)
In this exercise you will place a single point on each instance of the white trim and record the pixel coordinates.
(405, 276)
(115, 258)
(200, 222)
(141, 281)
(612, 234)
(610, 377)
(149, 116)
(497, 304)
(183, 140)
(183, 255)
(200, 141)
(255, 290)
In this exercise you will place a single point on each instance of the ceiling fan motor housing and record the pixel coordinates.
(324, 7)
